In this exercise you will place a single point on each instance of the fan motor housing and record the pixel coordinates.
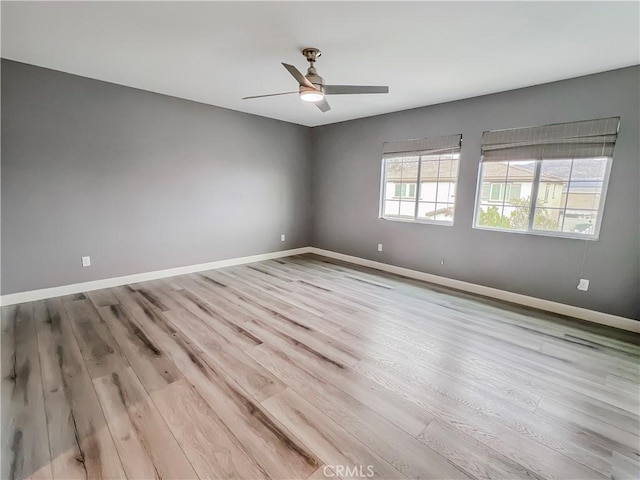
(317, 80)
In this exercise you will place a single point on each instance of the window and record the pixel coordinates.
(419, 179)
(547, 180)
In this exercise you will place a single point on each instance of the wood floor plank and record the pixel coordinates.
(80, 440)
(325, 472)
(229, 329)
(624, 467)
(598, 426)
(209, 445)
(475, 458)
(146, 446)
(252, 377)
(98, 347)
(151, 365)
(265, 301)
(143, 289)
(256, 302)
(25, 449)
(102, 298)
(335, 446)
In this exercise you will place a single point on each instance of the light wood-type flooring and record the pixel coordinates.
(304, 368)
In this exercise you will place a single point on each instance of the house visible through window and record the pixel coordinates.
(419, 179)
(547, 180)
(402, 190)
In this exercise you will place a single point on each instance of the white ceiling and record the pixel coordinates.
(427, 52)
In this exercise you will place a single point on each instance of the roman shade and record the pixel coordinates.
(421, 146)
(585, 139)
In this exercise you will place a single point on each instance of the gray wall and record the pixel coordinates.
(138, 181)
(346, 188)
(143, 182)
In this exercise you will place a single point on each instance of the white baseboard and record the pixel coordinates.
(41, 294)
(555, 307)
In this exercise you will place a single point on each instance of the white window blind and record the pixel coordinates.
(585, 139)
(422, 146)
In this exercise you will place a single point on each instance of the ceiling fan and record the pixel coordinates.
(312, 87)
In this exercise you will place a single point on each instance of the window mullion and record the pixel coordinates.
(566, 198)
(383, 188)
(418, 188)
(534, 194)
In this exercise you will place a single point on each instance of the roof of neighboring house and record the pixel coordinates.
(448, 170)
(494, 171)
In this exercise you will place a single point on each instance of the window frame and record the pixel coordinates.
(416, 198)
(534, 195)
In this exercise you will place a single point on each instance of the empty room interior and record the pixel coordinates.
(320, 240)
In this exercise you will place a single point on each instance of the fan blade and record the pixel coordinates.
(302, 80)
(323, 105)
(353, 89)
(269, 95)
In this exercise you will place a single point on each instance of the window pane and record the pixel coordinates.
(551, 193)
(497, 192)
(409, 176)
(516, 217)
(584, 198)
(446, 192)
(391, 208)
(486, 189)
(588, 169)
(491, 216)
(580, 221)
(444, 212)
(429, 179)
(587, 180)
(524, 170)
(516, 191)
(495, 172)
(448, 169)
(407, 209)
(555, 170)
(426, 210)
(519, 183)
(548, 219)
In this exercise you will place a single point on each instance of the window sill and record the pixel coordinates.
(423, 222)
(541, 233)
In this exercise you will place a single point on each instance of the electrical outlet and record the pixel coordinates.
(442, 261)
(583, 284)
(379, 247)
(282, 237)
(86, 261)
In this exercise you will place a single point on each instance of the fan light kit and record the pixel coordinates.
(311, 95)
(311, 87)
